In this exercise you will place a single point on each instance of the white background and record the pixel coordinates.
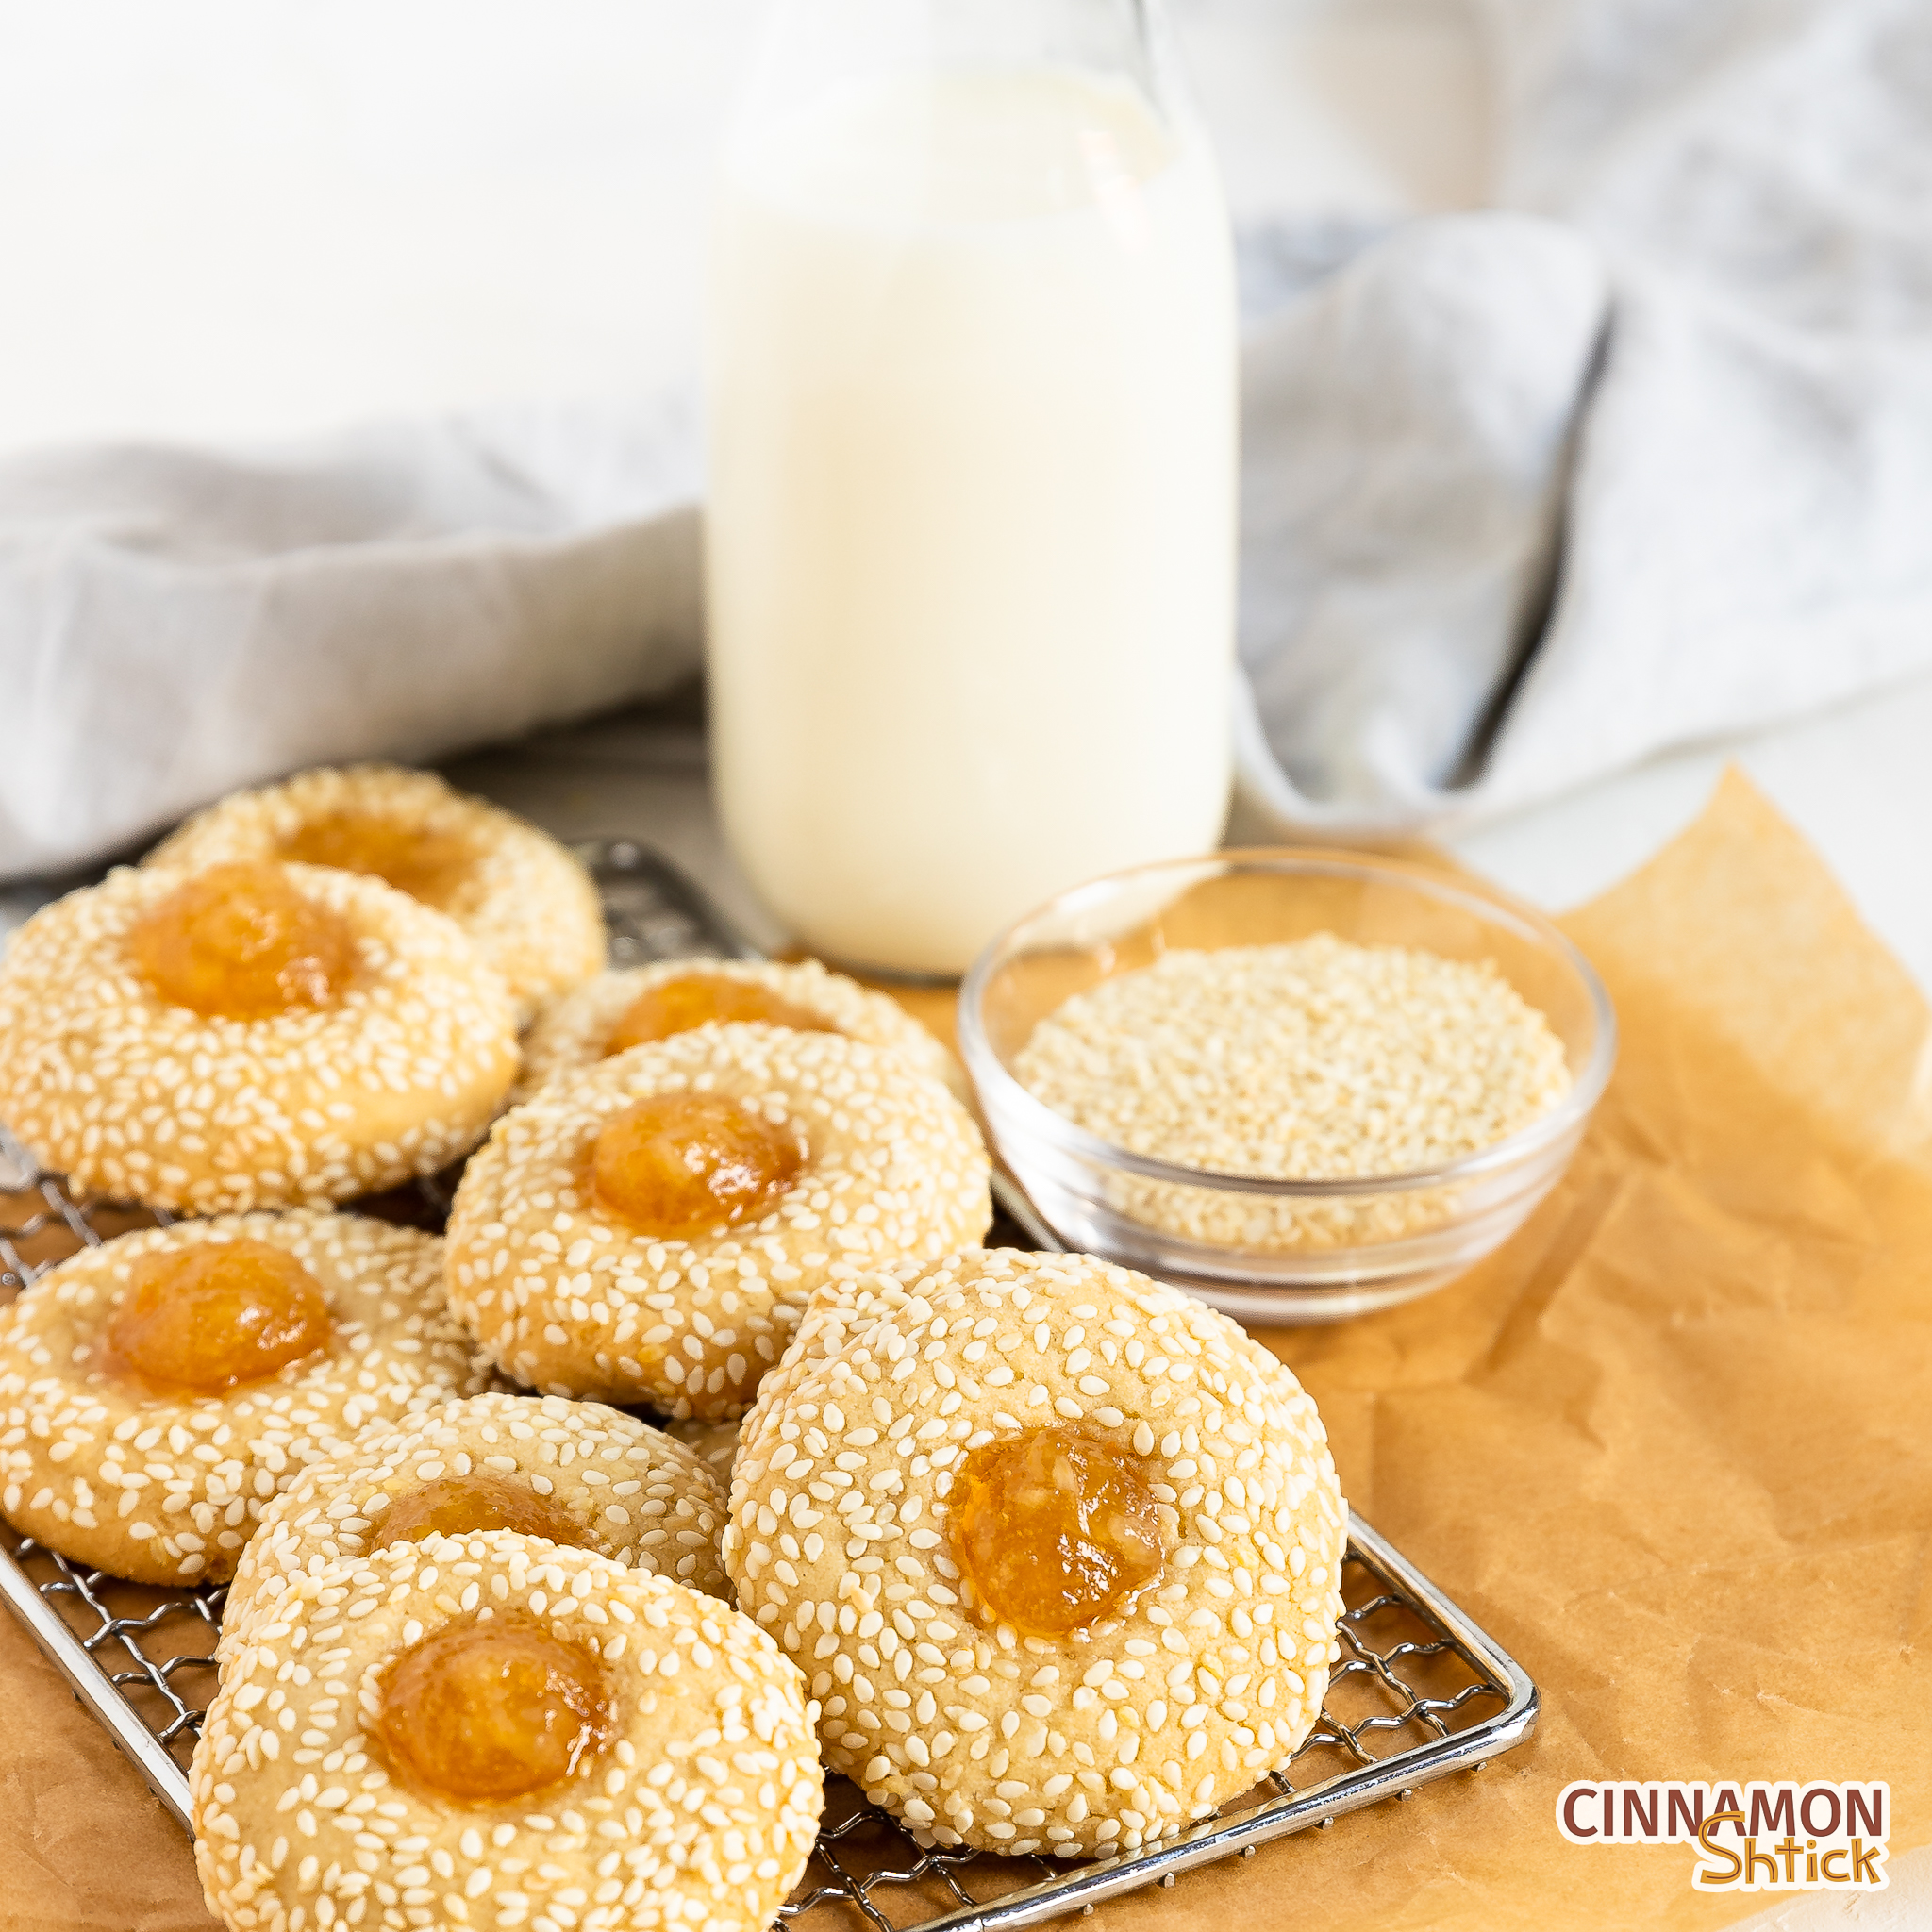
(245, 217)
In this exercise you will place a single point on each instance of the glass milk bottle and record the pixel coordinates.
(971, 524)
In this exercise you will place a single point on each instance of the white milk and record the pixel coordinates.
(971, 535)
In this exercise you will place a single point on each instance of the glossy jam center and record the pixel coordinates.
(429, 866)
(491, 1708)
(682, 1164)
(206, 1318)
(457, 1505)
(1056, 1529)
(696, 999)
(240, 942)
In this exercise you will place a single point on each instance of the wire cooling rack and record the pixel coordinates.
(1420, 1691)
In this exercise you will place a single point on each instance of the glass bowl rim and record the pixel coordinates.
(1486, 901)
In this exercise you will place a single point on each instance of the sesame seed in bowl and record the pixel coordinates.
(1305, 1085)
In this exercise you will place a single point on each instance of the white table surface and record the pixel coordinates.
(232, 219)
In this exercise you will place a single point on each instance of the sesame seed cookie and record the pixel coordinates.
(574, 1472)
(578, 1030)
(847, 1542)
(690, 1799)
(570, 1296)
(531, 910)
(389, 1068)
(164, 1486)
(835, 1308)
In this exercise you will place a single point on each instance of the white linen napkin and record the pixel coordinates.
(1528, 494)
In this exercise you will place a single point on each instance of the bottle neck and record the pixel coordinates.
(1094, 33)
(814, 45)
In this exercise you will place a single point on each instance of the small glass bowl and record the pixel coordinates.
(1352, 1246)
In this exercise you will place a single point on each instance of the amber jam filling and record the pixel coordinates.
(490, 1708)
(682, 1164)
(1055, 1528)
(205, 1319)
(429, 866)
(696, 999)
(457, 1505)
(240, 942)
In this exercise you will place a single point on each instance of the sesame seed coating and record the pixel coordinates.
(571, 1031)
(698, 1815)
(531, 910)
(167, 1489)
(835, 1308)
(144, 1101)
(569, 1298)
(1315, 1060)
(635, 1494)
(1118, 1734)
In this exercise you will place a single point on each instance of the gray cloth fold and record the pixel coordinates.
(173, 624)
(1527, 499)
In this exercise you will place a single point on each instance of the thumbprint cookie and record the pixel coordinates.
(1061, 1548)
(634, 1005)
(157, 1393)
(248, 1037)
(485, 1731)
(528, 906)
(569, 1473)
(647, 1230)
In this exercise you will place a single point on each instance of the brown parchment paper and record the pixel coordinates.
(1671, 1446)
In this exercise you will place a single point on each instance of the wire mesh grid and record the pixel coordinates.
(1412, 1699)
(1418, 1692)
